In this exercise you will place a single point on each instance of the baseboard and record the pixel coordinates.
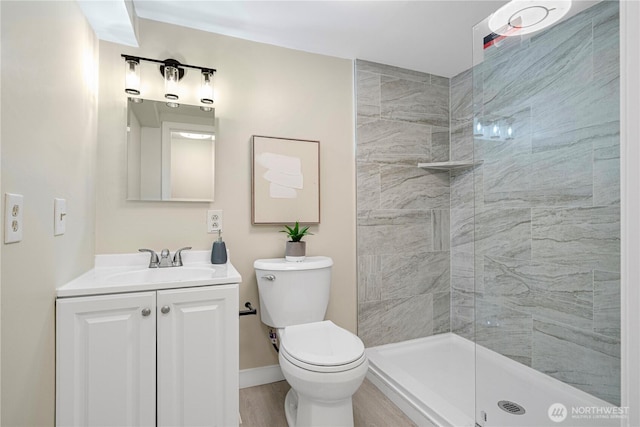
(258, 376)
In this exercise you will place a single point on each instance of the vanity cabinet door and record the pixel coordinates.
(105, 355)
(198, 356)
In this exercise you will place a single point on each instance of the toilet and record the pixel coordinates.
(323, 363)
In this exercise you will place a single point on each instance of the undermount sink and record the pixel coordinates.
(162, 275)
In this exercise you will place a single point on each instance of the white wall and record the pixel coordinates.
(261, 90)
(49, 105)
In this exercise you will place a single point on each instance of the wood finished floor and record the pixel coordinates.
(263, 406)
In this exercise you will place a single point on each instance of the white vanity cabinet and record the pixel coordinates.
(123, 358)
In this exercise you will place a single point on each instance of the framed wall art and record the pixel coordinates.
(286, 180)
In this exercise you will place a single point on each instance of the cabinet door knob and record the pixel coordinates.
(165, 309)
(146, 311)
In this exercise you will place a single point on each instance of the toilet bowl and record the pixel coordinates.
(323, 363)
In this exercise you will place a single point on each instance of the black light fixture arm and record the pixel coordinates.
(171, 62)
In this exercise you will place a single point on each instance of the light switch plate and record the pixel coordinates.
(59, 216)
(214, 221)
(13, 207)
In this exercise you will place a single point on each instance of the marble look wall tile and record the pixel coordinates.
(587, 237)
(462, 188)
(440, 229)
(409, 187)
(368, 94)
(369, 278)
(462, 142)
(393, 232)
(506, 331)
(606, 303)
(606, 42)
(606, 170)
(462, 229)
(439, 80)
(556, 292)
(368, 186)
(461, 104)
(462, 77)
(462, 270)
(463, 314)
(405, 275)
(503, 232)
(411, 101)
(541, 72)
(562, 176)
(390, 70)
(442, 312)
(439, 144)
(588, 361)
(388, 321)
(581, 107)
(380, 140)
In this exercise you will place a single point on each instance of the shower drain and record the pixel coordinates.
(511, 407)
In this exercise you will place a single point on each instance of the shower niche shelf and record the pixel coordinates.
(449, 166)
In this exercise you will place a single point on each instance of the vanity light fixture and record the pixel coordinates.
(172, 72)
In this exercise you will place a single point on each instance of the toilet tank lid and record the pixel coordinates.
(309, 263)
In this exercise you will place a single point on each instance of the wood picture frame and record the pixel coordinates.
(285, 182)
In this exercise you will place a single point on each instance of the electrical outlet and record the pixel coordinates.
(13, 207)
(214, 221)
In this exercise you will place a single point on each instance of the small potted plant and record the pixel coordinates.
(296, 249)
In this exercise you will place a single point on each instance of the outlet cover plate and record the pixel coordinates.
(13, 214)
(59, 216)
(214, 221)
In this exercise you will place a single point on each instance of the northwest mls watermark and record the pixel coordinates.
(558, 412)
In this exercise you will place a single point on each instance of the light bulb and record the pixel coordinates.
(206, 87)
(132, 76)
(171, 77)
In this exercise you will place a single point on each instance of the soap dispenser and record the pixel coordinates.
(219, 251)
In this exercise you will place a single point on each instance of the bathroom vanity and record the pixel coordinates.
(141, 346)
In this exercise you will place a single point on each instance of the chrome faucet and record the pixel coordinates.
(165, 260)
(177, 257)
(154, 262)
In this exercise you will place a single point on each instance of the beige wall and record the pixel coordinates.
(262, 90)
(49, 105)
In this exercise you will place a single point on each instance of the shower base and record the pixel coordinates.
(433, 380)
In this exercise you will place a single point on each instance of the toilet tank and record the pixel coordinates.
(292, 293)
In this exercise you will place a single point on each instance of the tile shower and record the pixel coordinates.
(403, 211)
(521, 253)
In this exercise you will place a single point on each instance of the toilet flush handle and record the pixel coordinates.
(269, 277)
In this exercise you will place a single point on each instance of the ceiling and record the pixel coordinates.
(428, 36)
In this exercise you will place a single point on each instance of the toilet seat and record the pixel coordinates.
(322, 347)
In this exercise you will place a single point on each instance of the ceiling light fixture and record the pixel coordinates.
(519, 17)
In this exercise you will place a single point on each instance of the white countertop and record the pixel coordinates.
(131, 273)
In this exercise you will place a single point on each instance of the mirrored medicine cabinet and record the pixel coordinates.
(170, 152)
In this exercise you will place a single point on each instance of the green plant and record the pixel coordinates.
(296, 234)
